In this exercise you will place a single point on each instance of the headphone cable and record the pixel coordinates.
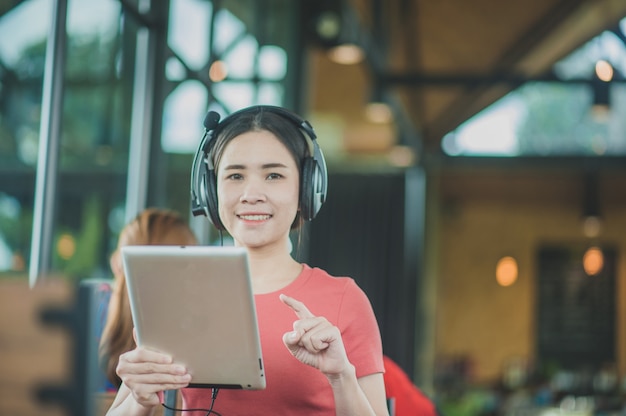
(208, 411)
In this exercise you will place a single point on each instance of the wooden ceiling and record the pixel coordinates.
(443, 61)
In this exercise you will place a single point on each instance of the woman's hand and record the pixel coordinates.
(315, 341)
(146, 372)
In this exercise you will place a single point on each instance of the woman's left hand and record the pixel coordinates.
(315, 341)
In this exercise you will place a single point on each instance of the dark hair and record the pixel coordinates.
(284, 130)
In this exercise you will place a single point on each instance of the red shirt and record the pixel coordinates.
(294, 388)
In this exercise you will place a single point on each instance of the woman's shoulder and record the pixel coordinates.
(323, 276)
(318, 279)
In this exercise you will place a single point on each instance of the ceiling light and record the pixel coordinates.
(401, 156)
(593, 261)
(346, 54)
(337, 30)
(604, 70)
(378, 112)
(592, 226)
(506, 271)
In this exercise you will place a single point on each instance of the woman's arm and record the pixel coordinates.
(365, 396)
(125, 404)
(318, 343)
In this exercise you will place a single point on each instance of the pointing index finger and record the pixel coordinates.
(298, 307)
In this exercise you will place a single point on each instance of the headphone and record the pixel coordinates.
(313, 173)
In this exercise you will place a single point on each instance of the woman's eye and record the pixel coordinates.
(234, 176)
(274, 176)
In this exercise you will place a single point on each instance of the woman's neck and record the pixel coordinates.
(271, 271)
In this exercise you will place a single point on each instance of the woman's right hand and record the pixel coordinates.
(145, 373)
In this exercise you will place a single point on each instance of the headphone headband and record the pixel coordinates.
(313, 175)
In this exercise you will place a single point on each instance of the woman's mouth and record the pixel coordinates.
(254, 217)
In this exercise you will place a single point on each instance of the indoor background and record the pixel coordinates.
(476, 161)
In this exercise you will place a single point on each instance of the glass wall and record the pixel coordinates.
(93, 151)
(199, 57)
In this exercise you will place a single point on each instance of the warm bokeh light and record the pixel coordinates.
(401, 156)
(66, 246)
(378, 113)
(218, 71)
(506, 271)
(604, 70)
(592, 225)
(346, 54)
(593, 261)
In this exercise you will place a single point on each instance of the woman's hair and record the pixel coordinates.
(285, 130)
(152, 226)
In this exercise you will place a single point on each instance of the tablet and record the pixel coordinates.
(196, 304)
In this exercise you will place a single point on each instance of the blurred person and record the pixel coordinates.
(405, 398)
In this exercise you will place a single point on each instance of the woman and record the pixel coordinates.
(152, 226)
(321, 344)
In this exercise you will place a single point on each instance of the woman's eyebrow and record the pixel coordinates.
(233, 167)
(273, 165)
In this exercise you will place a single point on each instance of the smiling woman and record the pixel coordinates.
(257, 176)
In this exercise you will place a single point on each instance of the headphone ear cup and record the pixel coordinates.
(307, 191)
(210, 185)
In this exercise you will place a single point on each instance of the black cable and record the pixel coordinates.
(214, 392)
(208, 411)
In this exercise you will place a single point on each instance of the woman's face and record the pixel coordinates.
(257, 188)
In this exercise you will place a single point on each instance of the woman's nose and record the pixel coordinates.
(252, 192)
